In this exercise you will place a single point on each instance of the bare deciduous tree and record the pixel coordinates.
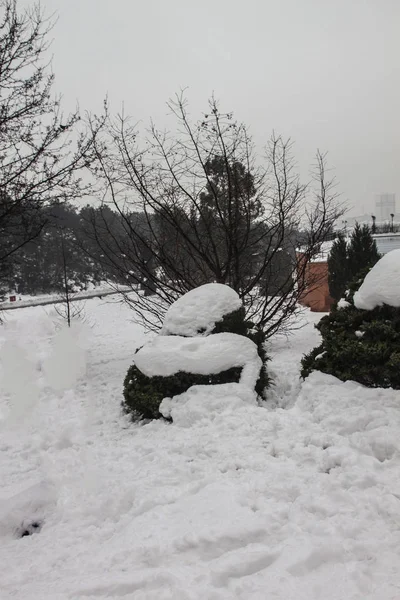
(210, 212)
(67, 307)
(41, 153)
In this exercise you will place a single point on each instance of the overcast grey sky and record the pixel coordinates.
(325, 72)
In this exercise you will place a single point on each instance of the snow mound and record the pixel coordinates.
(200, 309)
(19, 380)
(204, 402)
(23, 513)
(382, 284)
(166, 356)
(67, 362)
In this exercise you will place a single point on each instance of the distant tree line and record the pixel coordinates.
(63, 249)
(37, 267)
(93, 244)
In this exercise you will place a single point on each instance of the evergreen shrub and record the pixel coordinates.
(143, 395)
(358, 345)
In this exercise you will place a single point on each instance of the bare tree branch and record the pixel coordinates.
(210, 211)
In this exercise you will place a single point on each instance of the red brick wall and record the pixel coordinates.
(316, 294)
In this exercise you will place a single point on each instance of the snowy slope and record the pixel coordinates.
(301, 502)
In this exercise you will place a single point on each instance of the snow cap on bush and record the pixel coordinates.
(382, 284)
(199, 310)
(165, 356)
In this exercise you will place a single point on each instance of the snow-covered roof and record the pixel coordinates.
(200, 309)
(382, 284)
(387, 234)
(167, 355)
(324, 252)
(385, 242)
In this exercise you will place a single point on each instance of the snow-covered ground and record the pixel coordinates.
(299, 501)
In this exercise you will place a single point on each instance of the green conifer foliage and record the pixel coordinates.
(338, 271)
(362, 251)
(349, 261)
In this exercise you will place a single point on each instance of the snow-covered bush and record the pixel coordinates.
(143, 394)
(361, 337)
(201, 310)
(205, 340)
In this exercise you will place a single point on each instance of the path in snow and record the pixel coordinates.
(286, 352)
(240, 502)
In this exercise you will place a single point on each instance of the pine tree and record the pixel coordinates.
(338, 268)
(362, 251)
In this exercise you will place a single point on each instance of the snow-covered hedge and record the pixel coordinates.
(165, 356)
(361, 335)
(205, 340)
(143, 395)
